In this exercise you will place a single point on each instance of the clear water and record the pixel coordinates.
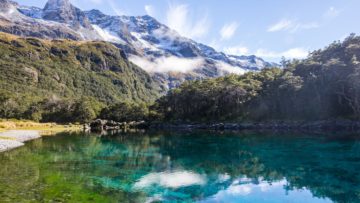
(184, 167)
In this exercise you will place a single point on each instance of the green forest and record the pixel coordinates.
(326, 85)
(66, 81)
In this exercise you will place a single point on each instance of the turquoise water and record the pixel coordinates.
(184, 167)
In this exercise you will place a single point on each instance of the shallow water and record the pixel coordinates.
(184, 167)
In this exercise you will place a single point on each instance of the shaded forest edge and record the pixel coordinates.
(321, 90)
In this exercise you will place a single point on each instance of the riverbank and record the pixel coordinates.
(16, 138)
(14, 133)
(326, 125)
(42, 128)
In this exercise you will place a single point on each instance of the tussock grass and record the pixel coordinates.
(44, 128)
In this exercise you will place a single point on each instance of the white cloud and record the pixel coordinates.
(295, 53)
(166, 64)
(291, 26)
(227, 68)
(150, 10)
(228, 30)
(332, 12)
(107, 36)
(178, 18)
(281, 25)
(115, 8)
(236, 50)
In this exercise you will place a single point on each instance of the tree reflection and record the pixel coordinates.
(182, 166)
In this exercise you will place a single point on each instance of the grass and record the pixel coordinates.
(44, 128)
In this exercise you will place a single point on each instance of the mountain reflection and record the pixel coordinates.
(196, 166)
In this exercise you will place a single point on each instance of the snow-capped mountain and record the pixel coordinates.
(168, 56)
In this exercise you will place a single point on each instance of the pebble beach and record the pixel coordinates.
(16, 138)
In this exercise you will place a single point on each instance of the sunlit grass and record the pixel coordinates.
(44, 128)
(6, 138)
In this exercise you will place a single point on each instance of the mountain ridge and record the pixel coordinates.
(35, 72)
(149, 44)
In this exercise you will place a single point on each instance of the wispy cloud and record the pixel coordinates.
(294, 53)
(281, 25)
(227, 68)
(228, 30)
(150, 10)
(115, 8)
(291, 26)
(178, 18)
(236, 50)
(97, 1)
(332, 12)
(166, 64)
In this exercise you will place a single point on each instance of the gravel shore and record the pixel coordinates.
(15, 138)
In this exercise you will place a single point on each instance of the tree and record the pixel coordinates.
(83, 111)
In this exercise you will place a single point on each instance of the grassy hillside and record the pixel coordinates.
(37, 71)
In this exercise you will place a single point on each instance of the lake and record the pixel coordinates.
(196, 166)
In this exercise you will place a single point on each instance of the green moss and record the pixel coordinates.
(63, 190)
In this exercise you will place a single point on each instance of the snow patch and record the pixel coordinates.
(106, 35)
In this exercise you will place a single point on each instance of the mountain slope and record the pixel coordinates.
(38, 69)
(168, 56)
(162, 51)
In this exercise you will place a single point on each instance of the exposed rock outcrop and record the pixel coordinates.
(100, 125)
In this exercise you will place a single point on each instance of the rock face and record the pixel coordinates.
(7, 5)
(14, 22)
(170, 57)
(63, 12)
(161, 51)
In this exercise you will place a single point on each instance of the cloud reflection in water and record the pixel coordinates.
(170, 179)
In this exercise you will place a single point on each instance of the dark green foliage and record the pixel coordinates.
(326, 85)
(34, 72)
(122, 112)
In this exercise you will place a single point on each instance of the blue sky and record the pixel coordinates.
(267, 28)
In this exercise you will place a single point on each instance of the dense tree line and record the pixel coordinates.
(326, 85)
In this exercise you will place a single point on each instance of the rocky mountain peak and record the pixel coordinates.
(57, 4)
(6, 5)
(64, 12)
(94, 14)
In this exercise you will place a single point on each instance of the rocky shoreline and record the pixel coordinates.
(16, 138)
(101, 125)
(326, 125)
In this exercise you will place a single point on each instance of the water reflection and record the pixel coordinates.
(170, 180)
(245, 190)
(184, 167)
